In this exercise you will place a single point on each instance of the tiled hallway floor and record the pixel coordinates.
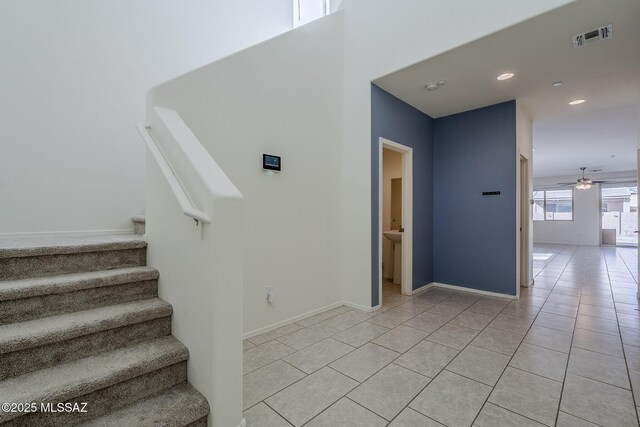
(567, 354)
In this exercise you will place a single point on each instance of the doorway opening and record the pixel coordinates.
(395, 244)
(524, 218)
(619, 204)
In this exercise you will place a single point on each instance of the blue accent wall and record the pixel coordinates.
(399, 122)
(474, 236)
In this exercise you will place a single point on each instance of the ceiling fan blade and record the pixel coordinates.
(566, 183)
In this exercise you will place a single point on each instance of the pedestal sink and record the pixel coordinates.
(396, 237)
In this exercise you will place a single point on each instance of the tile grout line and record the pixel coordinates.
(345, 396)
(327, 366)
(624, 353)
(413, 297)
(459, 351)
(566, 368)
(431, 379)
(518, 348)
(572, 334)
(470, 344)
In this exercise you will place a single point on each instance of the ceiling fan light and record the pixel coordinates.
(583, 183)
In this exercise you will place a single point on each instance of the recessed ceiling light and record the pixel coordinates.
(434, 85)
(505, 76)
(577, 102)
(557, 84)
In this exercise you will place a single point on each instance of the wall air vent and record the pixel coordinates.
(601, 33)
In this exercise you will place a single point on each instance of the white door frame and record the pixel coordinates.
(407, 214)
(524, 218)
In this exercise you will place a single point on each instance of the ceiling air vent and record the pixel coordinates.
(592, 36)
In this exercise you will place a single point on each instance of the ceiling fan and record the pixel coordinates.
(582, 183)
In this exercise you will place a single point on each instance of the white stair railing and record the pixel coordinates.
(178, 191)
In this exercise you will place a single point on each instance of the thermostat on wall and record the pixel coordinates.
(271, 162)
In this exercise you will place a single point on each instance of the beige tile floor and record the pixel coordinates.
(566, 354)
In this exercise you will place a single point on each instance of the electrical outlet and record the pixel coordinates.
(270, 294)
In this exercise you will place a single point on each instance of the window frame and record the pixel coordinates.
(297, 12)
(544, 204)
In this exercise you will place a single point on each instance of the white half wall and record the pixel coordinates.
(74, 78)
(282, 97)
(585, 227)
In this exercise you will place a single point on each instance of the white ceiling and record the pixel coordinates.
(539, 51)
(560, 143)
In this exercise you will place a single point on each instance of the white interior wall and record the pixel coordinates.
(585, 227)
(280, 98)
(381, 37)
(74, 79)
(391, 168)
(308, 228)
(335, 5)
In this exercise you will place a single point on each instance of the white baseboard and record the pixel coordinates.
(290, 320)
(423, 288)
(367, 309)
(307, 314)
(66, 233)
(475, 291)
(360, 307)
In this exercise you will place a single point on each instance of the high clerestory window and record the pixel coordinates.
(305, 11)
(553, 205)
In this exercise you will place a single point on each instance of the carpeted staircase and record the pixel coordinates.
(81, 322)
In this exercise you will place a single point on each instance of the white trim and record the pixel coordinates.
(407, 214)
(326, 10)
(361, 307)
(67, 233)
(277, 325)
(423, 288)
(291, 320)
(475, 291)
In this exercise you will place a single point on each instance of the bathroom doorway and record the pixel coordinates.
(395, 218)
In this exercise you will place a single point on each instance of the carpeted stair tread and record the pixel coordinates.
(33, 287)
(64, 382)
(37, 332)
(178, 406)
(27, 247)
(139, 224)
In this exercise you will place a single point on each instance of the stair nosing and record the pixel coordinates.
(84, 376)
(139, 218)
(37, 332)
(73, 246)
(64, 283)
(153, 405)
